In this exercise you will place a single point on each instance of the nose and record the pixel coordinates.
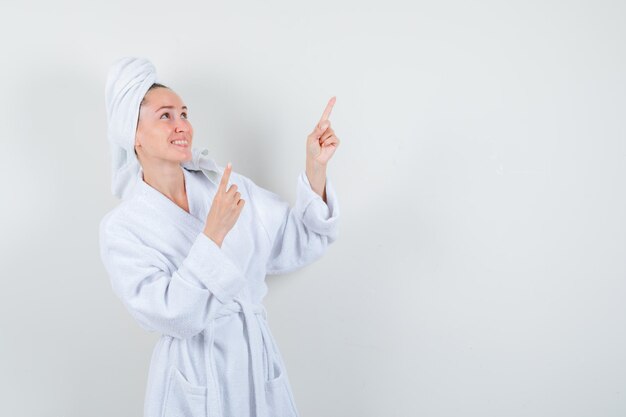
(182, 125)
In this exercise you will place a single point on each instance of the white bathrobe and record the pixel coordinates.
(216, 356)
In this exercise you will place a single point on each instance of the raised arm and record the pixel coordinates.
(300, 234)
(177, 304)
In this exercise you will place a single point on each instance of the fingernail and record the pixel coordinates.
(229, 165)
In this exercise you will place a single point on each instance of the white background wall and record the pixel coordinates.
(481, 264)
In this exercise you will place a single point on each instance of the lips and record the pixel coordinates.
(181, 143)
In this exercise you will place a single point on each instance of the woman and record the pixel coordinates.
(190, 245)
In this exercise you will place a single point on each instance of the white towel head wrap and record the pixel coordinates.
(128, 80)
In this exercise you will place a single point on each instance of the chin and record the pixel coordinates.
(185, 158)
(182, 155)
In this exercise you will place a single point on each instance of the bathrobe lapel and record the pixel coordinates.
(170, 209)
(239, 244)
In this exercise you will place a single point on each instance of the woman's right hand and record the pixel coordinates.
(225, 209)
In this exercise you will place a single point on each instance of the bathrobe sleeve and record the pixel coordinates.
(177, 304)
(300, 234)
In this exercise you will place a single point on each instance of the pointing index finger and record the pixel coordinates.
(328, 109)
(225, 177)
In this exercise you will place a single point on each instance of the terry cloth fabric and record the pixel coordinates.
(128, 80)
(216, 355)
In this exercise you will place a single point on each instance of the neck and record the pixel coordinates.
(167, 178)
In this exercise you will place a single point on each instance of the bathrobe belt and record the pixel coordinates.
(258, 340)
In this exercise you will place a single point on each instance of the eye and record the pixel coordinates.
(164, 115)
(185, 115)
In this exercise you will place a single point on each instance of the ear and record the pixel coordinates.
(137, 143)
(137, 135)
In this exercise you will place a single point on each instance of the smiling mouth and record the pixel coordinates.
(182, 143)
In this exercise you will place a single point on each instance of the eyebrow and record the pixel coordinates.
(168, 107)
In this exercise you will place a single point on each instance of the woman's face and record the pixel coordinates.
(163, 131)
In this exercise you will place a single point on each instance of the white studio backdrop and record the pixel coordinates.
(481, 264)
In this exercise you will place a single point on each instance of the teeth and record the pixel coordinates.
(179, 142)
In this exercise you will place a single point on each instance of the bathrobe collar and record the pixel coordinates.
(168, 207)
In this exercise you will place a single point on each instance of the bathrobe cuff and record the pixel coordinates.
(207, 265)
(318, 216)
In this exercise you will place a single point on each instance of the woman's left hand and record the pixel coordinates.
(322, 142)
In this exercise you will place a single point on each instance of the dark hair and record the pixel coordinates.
(155, 85)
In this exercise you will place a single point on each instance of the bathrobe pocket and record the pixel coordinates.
(183, 399)
(279, 400)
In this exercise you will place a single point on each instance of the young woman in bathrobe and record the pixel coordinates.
(187, 252)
